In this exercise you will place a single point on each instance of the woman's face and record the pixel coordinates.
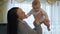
(21, 14)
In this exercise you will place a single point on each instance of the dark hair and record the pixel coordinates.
(12, 24)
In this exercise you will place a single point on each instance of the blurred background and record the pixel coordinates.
(52, 7)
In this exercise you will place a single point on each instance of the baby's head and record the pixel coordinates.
(36, 5)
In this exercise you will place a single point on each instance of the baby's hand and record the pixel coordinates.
(26, 16)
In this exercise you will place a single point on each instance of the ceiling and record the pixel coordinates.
(40, 0)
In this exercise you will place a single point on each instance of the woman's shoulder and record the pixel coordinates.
(22, 22)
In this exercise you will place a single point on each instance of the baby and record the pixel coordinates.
(39, 14)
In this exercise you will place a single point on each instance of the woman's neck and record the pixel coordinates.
(20, 20)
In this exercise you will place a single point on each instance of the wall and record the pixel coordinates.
(3, 7)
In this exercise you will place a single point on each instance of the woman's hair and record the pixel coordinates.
(12, 24)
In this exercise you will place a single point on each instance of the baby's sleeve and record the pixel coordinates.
(45, 14)
(30, 13)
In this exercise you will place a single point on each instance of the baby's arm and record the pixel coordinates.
(46, 20)
(28, 14)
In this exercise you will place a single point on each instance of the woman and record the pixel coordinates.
(15, 24)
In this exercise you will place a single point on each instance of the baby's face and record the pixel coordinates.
(36, 7)
(21, 14)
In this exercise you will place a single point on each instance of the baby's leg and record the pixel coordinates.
(36, 23)
(37, 28)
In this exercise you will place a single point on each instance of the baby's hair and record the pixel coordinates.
(35, 2)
